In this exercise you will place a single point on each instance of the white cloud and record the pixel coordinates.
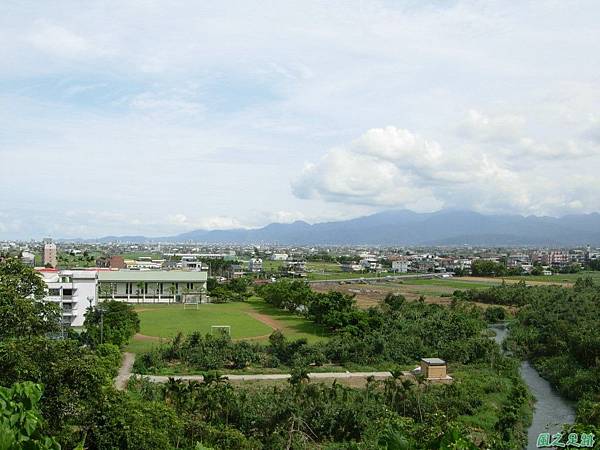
(506, 133)
(210, 110)
(205, 223)
(395, 167)
(500, 128)
(57, 40)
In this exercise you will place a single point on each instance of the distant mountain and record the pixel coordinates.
(402, 227)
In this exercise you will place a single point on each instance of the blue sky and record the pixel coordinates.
(155, 117)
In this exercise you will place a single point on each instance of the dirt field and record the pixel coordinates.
(434, 291)
(371, 294)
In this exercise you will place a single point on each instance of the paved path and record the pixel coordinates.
(274, 376)
(125, 371)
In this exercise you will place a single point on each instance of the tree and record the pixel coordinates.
(74, 376)
(486, 268)
(211, 284)
(120, 421)
(139, 289)
(21, 423)
(494, 314)
(112, 322)
(22, 309)
(394, 301)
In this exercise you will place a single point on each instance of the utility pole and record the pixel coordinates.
(101, 326)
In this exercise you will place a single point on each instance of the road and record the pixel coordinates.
(125, 371)
(274, 376)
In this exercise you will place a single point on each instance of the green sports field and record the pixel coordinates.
(253, 319)
(168, 320)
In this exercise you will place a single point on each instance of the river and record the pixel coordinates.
(551, 410)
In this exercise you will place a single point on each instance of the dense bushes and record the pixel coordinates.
(494, 314)
(307, 416)
(235, 290)
(513, 294)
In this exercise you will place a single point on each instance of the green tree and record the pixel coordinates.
(22, 309)
(21, 423)
(486, 268)
(111, 322)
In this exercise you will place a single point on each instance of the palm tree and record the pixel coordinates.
(140, 289)
(172, 291)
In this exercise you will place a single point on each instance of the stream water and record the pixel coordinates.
(551, 410)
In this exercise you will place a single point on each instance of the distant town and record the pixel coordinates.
(79, 275)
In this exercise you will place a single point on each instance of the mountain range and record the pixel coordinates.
(403, 227)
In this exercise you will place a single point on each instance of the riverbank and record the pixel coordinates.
(550, 411)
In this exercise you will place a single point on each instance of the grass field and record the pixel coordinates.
(253, 319)
(167, 320)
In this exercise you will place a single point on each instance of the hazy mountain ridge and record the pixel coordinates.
(402, 227)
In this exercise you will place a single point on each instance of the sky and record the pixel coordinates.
(158, 117)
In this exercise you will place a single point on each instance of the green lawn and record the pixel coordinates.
(167, 320)
(272, 266)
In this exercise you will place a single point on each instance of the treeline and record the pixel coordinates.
(234, 290)
(488, 268)
(510, 294)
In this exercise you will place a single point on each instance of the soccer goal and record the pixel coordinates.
(220, 329)
(191, 301)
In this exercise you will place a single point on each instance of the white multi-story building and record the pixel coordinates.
(144, 264)
(351, 267)
(151, 286)
(370, 262)
(74, 290)
(279, 257)
(400, 265)
(255, 265)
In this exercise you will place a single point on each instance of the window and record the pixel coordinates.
(54, 292)
(145, 288)
(160, 288)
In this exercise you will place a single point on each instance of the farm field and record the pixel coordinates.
(254, 320)
(558, 278)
